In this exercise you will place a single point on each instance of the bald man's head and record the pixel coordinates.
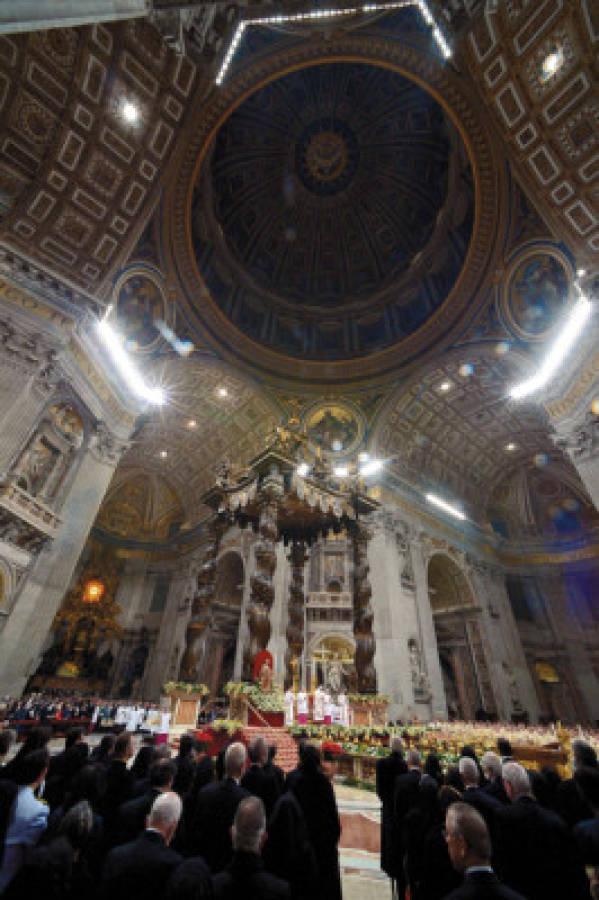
(249, 826)
(468, 840)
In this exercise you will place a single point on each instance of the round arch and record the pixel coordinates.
(448, 585)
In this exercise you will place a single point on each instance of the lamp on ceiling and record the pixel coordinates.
(559, 349)
(113, 342)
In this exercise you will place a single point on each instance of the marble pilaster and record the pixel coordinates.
(43, 589)
(428, 637)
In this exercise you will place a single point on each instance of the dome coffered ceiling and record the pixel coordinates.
(336, 212)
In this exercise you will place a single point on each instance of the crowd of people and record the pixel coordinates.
(488, 828)
(114, 824)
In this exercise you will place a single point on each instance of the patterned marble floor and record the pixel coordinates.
(359, 848)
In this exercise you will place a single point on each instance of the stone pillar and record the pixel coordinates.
(570, 635)
(157, 668)
(428, 635)
(24, 390)
(510, 675)
(295, 609)
(42, 591)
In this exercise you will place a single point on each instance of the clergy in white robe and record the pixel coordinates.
(302, 707)
(289, 707)
(328, 708)
(318, 704)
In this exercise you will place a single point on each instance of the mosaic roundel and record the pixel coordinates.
(341, 211)
(139, 308)
(536, 293)
(334, 428)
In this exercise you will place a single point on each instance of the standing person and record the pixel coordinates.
(143, 867)
(120, 784)
(405, 797)
(469, 847)
(245, 877)
(536, 853)
(131, 816)
(186, 764)
(274, 770)
(387, 770)
(491, 765)
(302, 708)
(316, 797)
(210, 833)
(28, 817)
(289, 702)
(257, 780)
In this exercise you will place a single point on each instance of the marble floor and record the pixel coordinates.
(359, 848)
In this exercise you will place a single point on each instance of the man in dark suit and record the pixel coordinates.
(256, 780)
(131, 816)
(469, 846)
(387, 770)
(536, 853)
(120, 784)
(217, 803)
(405, 798)
(476, 796)
(271, 768)
(245, 877)
(143, 867)
(571, 805)
(586, 833)
(491, 766)
(186, 760)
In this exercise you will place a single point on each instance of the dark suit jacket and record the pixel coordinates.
(246, 879)
(139, 869)
(387, 770)
(276, 771)
(586, 835)
(489, 807)
(483, 886)
(536, 854)
(210, 835)
(571, 806)
(263, 785)
(496, 789)
(314, 793)
(131, 816)
(405, 797)
(186, 770)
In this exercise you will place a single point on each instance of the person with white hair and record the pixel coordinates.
(143, 867)
(245, 877)
(473, 794)
(491, 766)
(536, 853)
(216, 805)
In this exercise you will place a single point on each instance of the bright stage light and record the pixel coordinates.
(371, 467)
(557, 352)
(114, 344)
(341, 471)
(303, 469)
(446, 507)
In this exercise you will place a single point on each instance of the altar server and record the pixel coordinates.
(319, 704)
(302, 707)
(289, 707)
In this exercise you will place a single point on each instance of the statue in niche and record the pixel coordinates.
(266, 677)
(420, 682)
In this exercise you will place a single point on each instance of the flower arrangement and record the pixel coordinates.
(185, 687)
(369, 699)
(231, 726)
(273, 701)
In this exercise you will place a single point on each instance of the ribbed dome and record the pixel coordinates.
(341, 211)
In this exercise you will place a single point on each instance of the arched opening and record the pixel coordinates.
(332, 661)
(463, 664)
(226, 612)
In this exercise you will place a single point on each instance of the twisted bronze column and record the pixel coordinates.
(295, 621)
(262, 591)
(200, 607)
(363, 614)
